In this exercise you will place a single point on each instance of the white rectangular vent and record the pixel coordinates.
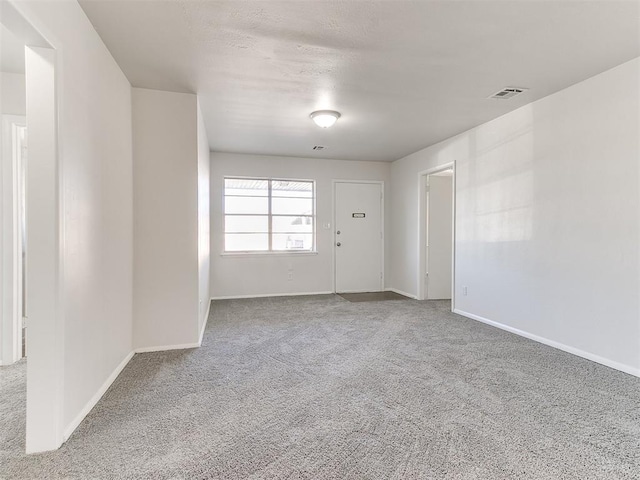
(318, 147)
(508, 92)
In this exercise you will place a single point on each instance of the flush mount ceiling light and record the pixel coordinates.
(325, 118)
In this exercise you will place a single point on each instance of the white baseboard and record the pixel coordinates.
(234, 297)
(552, 343)
(400, 292)
(163, 348)
(96, 398)
(101, 391)
(204, 324)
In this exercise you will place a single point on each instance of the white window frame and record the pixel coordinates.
(269, 215)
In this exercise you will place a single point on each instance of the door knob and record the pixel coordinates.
(338, 244)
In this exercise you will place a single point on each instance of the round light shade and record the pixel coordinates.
(325, 118)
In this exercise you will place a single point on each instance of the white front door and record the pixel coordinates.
(358, 241)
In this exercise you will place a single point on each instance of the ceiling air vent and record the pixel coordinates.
(319, 147)
(508, 92)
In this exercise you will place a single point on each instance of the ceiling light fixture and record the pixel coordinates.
(325, 118)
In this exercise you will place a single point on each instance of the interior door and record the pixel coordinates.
(439, 237)
(358, 239)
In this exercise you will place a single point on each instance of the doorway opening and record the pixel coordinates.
(30, 207)
(14, 253)
(13, 155)
(358, 236)
(436, 253)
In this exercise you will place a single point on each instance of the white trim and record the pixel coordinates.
(11, 171)
(400, 292)
(204, 324)
(266, 295)
(275, 253)
(332, 232)
(96, 397)
(163, 348)
(552, 343)
(270, 215)
(422, 175)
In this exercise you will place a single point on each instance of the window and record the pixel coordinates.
(269, 215)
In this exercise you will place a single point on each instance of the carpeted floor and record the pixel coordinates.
(321, 388)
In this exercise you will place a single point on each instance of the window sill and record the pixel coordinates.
(267, 254)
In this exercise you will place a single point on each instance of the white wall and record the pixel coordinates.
(267, 274)
(94, 219)
(12, 93)
(165, 172)
(548, 218)
(204, 239)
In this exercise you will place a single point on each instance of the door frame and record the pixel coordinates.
(422, 229)
(333, 227)
(45, 223)
(12, 203)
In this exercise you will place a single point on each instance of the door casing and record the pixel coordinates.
(12, 238)
(422, 230)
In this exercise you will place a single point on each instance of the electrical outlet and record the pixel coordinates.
(290, 276)
(464, 290)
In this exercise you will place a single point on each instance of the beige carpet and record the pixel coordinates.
(321, 388)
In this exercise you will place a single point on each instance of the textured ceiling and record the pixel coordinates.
(403, 74)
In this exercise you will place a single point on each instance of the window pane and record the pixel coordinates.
(254, 205)
(246, 242)
(293, 224)
(246, 186)
(295, 206)
(283, 188)
(246, 223)
(247, 219)
(297, 241)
